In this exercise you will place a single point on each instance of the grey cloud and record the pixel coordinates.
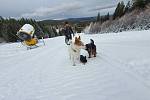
(54, 11)
(98, 8)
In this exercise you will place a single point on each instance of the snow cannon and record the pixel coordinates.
(26, 34)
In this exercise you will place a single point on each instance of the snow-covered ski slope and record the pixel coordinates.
(121, 70)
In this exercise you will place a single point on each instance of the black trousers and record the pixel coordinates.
(67, 38)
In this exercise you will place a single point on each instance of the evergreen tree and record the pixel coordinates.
(98, 17)
(139, 3)
(107, 16)
(147, 1)
(127, 7)
(119, 11)
(115, 15)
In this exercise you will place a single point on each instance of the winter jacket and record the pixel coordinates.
(68, 31)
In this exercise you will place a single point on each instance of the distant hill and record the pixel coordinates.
(71, 20)
(85, 19)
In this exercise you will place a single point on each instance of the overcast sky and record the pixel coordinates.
(55, 9)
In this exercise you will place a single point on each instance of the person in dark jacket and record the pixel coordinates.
(68, 32)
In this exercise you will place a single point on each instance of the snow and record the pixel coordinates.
(121, 70)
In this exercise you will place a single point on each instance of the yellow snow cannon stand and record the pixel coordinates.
(26, 34)
(31, 42)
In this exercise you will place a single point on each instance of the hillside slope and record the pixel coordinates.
(121, 70)
(134, 20)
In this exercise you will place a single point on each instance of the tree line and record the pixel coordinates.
(10, 26)
(122, 9)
